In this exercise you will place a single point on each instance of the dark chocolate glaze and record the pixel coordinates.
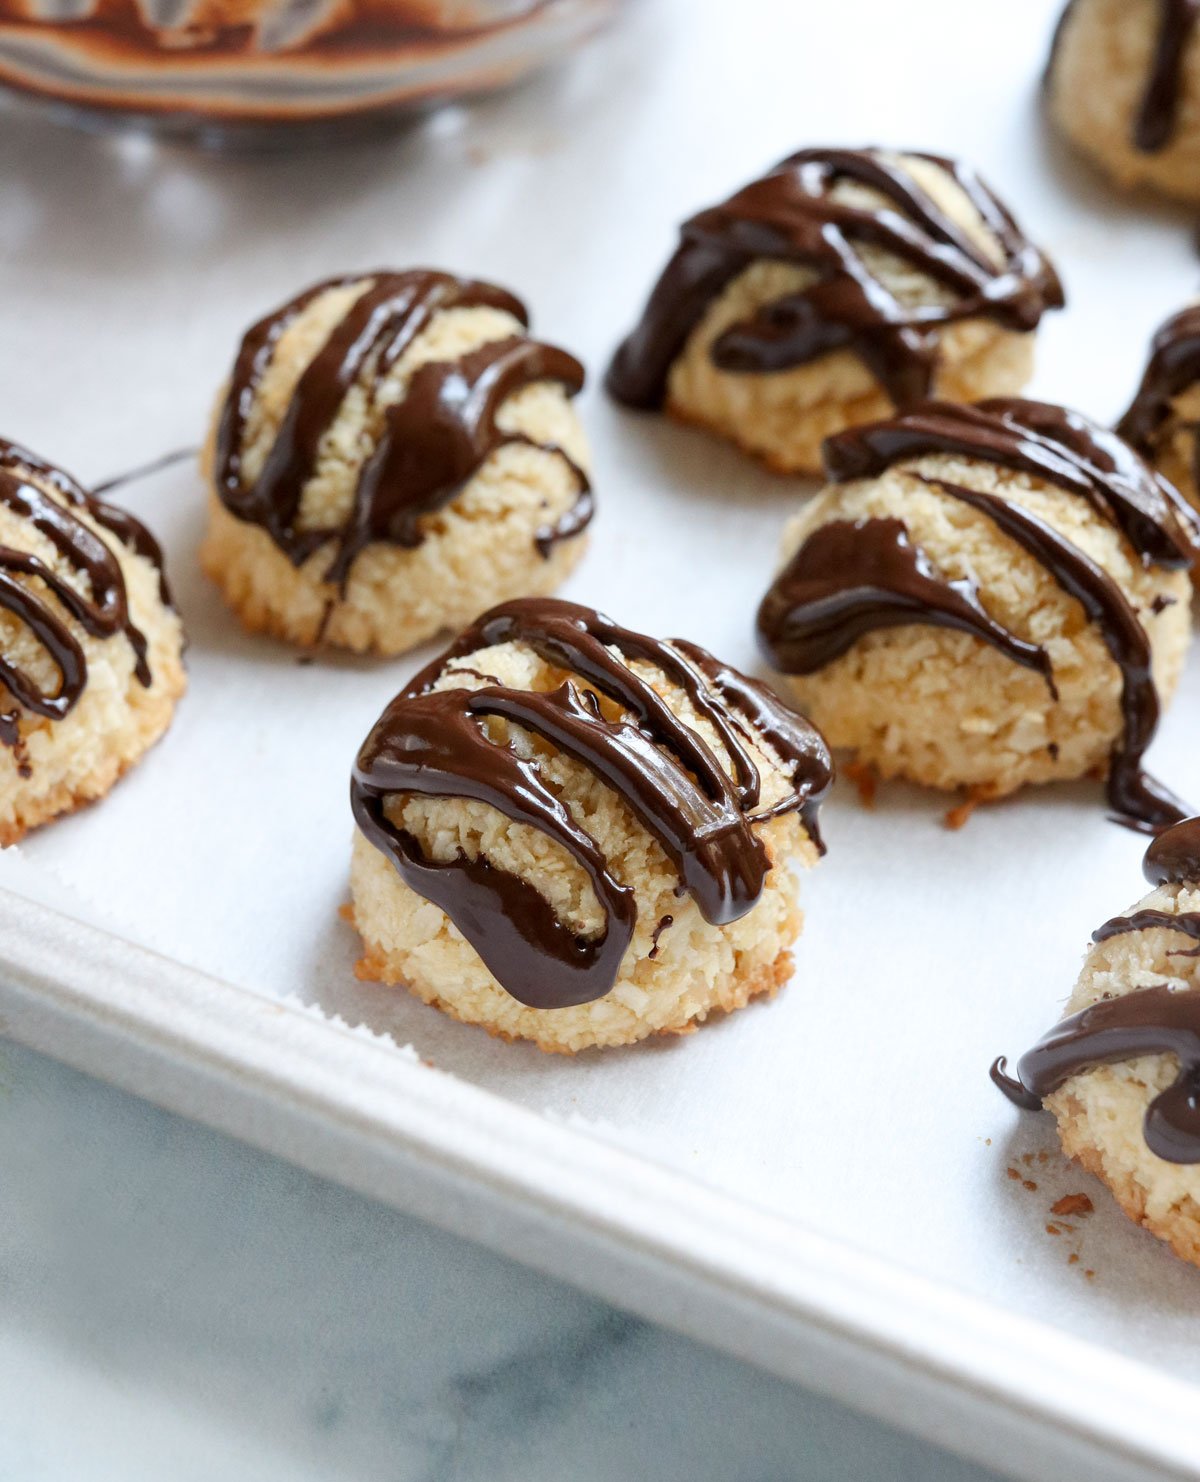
(1149, 1021)
(10, 729)
(119, 522)
(97, 602)
(1173, 367)
(436, 743)
(445, 429)
(791, 216)
(1187, 922)
(1158, 1020)
(663, 924)
(1157, 112)
(850, 578)
(1045, 441)
(1136, 799)
(1174, 857)
(429, 444)
(862, 577)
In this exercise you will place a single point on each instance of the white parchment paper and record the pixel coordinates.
(858, 1102)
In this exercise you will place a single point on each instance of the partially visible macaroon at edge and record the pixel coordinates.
(1163, 420)
(1119, 1070)
(91, 649)
(1123, 86)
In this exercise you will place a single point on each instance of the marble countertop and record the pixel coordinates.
(174, 1304)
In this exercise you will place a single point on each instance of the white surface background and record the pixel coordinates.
(858, 1102)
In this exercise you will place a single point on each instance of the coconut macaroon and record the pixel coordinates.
(90, 648)
(1121, 1071)
(841, 286)
(1123, 84)
(1163, 419)
(575, 834)
(392, 455)
(986, 597)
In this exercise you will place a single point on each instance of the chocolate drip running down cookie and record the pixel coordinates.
(792, 215)
(1160, 1020)
(97, 600)
(844, 582)
(1155, 1020)
(430, 443)
(702, 806)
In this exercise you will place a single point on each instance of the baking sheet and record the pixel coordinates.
(857, 1103)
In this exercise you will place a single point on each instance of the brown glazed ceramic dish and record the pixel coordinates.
(245, 67)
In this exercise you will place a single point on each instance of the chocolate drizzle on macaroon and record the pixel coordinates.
(1172, 859)
(1173, 368)
(608, 717)
(853, 577)
(429, 444)
(1157, 115)
(793, 215)
(1156, 1020)
(43, 601)
(1158, 112)
(849, 579)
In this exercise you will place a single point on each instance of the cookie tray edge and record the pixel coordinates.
(1011, 1393)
